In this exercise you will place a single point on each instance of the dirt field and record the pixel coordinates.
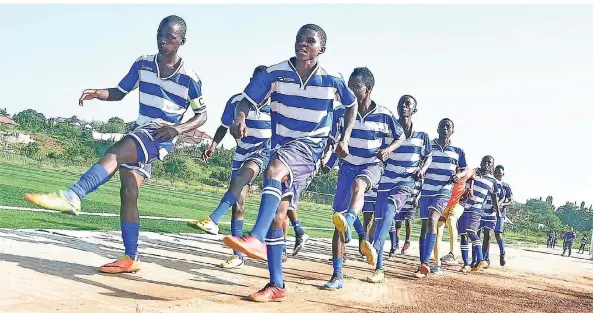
(56, 271)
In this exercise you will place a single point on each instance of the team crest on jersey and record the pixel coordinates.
(286, 79)
(145, 67)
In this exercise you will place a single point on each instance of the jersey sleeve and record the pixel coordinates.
(195, 95)
(462, 162)
(345, 95)
(426, 147)
(259, 88)
(130, 81)
(228, 114)
(395, 129)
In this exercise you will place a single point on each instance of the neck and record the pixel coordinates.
(405, 122)
(169, 59)
(444, 141)
(304, 67)
(365, 106)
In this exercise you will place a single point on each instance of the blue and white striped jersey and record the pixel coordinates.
(163, 100)
(259, 129)
(300, 109)
(368, 135)
(489, 214)
(444, 164)
(404, 161)
(483, 185)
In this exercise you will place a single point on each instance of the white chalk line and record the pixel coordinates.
(146, 217)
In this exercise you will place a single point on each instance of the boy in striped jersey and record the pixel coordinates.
(251, 157)
(483, 185)
(504, 204)
(302, 97)
(436, 189)
(168, 88)
(361, 170)
(404, 168)
(488, 221)
(407, 215)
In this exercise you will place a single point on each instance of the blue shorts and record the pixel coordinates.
(347, 174)
(469, 221)
(370, 198)
(147, 149)
(437, 203)
(396, 196)
(260, 157)
(295, 198)
(405, 215)
(301, 164)
(499, 227)
(487, 224)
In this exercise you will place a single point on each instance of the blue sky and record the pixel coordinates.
(516, 79)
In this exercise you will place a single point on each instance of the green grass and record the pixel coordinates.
(155, 200)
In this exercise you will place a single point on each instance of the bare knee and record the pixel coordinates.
(276, 170)
(360, 186)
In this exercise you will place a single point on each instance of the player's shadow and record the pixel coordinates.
(71, 271)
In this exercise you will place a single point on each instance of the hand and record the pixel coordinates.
(165, 133)
(417, 174)
(383, 155)
(416, 201)
(469, 193)
(207, 154)
(239, 128)
(88, 94)
(342, 149)
(455, 178)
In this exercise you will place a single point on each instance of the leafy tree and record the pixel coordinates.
(30, 120)
(3, 112)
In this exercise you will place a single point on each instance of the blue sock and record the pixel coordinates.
(359, 229)
(501, 245)
(465, 250)
(392, 235)
(129, 234)
(421, 247)
(237, 231)
(270, 199)
(351, 216)
(382, 229)
(337, 263)
(275, 245)
(478, 248)
(297, 227)
(225, 204)
(93, 178)
(431, 239)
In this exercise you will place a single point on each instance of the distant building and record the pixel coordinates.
(194, 138)
(7, 120)
(106, 136)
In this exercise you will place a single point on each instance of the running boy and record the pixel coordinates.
(168, 88)
(361, 170)
(302, 94)
(504, 204)
(251, 156)
(437, 188)
(480, 187)
(404, 168)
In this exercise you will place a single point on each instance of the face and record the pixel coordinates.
(487, 164)
(445, 129)
(406, 107)
(169, 38)
(360, 90)
(498, 173)
(307, 45)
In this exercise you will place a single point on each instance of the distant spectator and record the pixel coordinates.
(569, 238)
(583, 244)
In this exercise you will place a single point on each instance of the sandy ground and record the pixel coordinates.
(56, 271)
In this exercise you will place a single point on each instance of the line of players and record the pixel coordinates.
(288, 117)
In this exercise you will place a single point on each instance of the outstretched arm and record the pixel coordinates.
(109, 94)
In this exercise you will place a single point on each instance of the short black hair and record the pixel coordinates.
(447, 119)
(318, 30)
(367, 76)
(175, 20)
(488, 156)
(259, 69)
(411, 97)
(499, 167)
